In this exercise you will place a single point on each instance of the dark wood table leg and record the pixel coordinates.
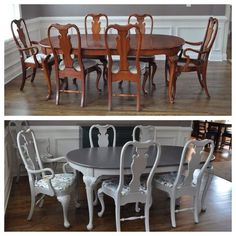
(47, 73)
(172, 82)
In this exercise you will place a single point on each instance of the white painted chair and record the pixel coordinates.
(100, 132)
(102, 135)
(43, 181)
(15, 126)
(146, 132)
(135, 188)
(187, 181)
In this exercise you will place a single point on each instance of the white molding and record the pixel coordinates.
(174, 136)
(162, 24)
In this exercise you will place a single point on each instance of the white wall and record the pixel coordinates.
(191, 28)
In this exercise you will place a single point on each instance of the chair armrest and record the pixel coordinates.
(194, 43)
(43, 170)
(34, 50)
(193, 50)
(55, 159)
(35, 42)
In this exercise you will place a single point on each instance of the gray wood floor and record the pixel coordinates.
(190, 99)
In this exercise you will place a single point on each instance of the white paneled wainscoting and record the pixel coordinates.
(190, 28)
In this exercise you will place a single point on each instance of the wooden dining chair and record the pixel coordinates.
(69, 61)
(188, 179)
(120, 68)
(30, 56)
(43, 181)
(145, 23)
(185, 63)
(96, 24)
(136, 188)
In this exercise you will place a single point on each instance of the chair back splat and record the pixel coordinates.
(102, 135)
(135, 187)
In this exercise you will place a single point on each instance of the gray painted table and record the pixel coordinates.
(96, 162)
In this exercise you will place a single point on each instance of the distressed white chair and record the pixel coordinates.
(43, 181)
(146, 132)
(187, 180)
(134, 188)
(99, 136)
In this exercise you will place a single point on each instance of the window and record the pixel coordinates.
(13, 12)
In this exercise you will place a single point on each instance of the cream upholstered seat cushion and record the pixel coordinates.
(132, 67)
(110, 185)
(61, 182)
(87, 64)
(40, 57)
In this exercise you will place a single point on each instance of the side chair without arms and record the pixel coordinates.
(144, 133)
(43, 181)
(124, 69)
(95, 24)
(145, 23)
(69, 63)
(187, 180)
(101, 136)
(132, 189)
(199, 64)
(30, 57)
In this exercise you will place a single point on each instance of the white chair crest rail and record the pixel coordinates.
(132, 189)
(146, 132)
(187, 181)
(43, 180)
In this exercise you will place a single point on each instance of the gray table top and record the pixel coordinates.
(109, 157)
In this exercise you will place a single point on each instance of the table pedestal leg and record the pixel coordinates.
(89, 183)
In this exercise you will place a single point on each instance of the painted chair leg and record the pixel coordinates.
(137, 208)
(32, 206)
(196, 209)
(101, 200)
(146, 210)
(172, 211)
(117, 216)
(23, 79)
(65, 201)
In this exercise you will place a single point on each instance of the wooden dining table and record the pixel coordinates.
(154, 44)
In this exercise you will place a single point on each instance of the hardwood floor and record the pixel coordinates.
(190, 99)
(218, 216)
